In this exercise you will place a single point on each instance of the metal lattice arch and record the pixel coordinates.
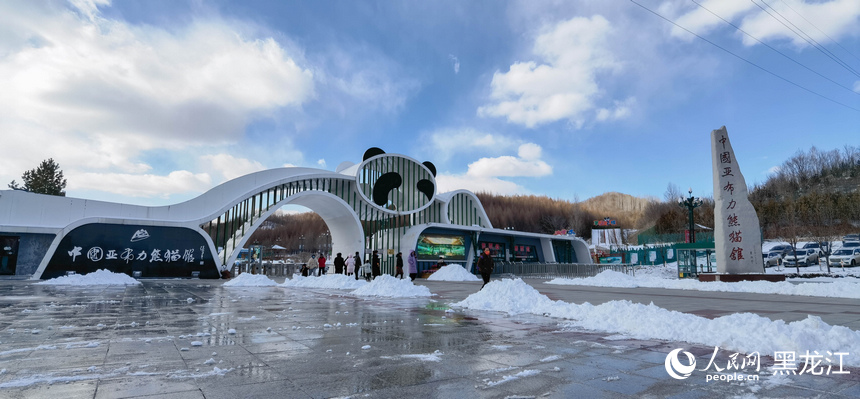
(384, 203)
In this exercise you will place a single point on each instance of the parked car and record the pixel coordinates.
(784, 249)
(820, 248)
(851, 237)
(845, 257)
(772, 258)
(802, 257)
(850, 244)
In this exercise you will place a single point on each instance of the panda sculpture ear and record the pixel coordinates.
(372, 152)
(430, 166)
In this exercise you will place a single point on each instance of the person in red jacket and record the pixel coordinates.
(321, 261)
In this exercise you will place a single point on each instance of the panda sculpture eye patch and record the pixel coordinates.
(384, 185)
(425, 186)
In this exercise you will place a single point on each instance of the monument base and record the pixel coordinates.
(734, 278)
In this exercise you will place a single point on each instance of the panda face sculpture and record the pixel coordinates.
(395, 183)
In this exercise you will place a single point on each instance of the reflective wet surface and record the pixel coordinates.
(195, 338)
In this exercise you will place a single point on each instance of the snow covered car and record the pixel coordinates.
(772, 258)
(802, 257)
(845, 257)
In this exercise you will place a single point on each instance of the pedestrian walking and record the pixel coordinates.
(312, 264)
(375, 266)
(338, 264)
(399, 264)
(350, 265)
(367, 271)
(413, 265)
(321, 262)
(357, 260)
(486, 266)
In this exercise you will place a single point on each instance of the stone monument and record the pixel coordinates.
(737, 233)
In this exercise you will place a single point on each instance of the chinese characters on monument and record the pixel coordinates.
(736, 232)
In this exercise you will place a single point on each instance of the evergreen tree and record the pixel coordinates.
(46, 179)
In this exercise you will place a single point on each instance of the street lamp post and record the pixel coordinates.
(301, 244)
(690, 203)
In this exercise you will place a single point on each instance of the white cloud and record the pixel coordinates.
(818, 19)
(773, 170)
(229, 166)
(321, 163)
(456, 63)
(564, 84)
(530, 152)
(448, 142)
(857, 86)
(485, 174)
(96, 93)
(446, 183)
(135, 185)
(621, 110)
(527, 164)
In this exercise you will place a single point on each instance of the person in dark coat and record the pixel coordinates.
(375, 266)
(304, 270)
(357, 259)
(485, 266)
(339, 263)
(399, 265)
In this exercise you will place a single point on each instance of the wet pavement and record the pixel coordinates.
(197, 339)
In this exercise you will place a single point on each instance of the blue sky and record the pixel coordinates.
(156, 102)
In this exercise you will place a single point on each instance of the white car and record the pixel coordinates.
(772, 258)
(802, 257)
(845, 257)
(820, 248)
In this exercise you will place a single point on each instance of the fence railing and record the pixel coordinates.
(554, 270)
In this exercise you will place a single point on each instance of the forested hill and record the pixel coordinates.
(814, 193)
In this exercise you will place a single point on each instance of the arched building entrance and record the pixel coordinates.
(385, 203)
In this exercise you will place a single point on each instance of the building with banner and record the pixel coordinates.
(387, 202)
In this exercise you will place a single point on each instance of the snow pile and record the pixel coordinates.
(609, 278)
(452, 273)
(251, 280)
(741, 332)
(334, 281)
(99, 277)
(670, 271)
(391, 287)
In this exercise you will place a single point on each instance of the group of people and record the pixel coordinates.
(372, 266)
(351, 265)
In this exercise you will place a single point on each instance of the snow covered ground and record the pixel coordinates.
(382, 286)
(658, 278)
(742, 332)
